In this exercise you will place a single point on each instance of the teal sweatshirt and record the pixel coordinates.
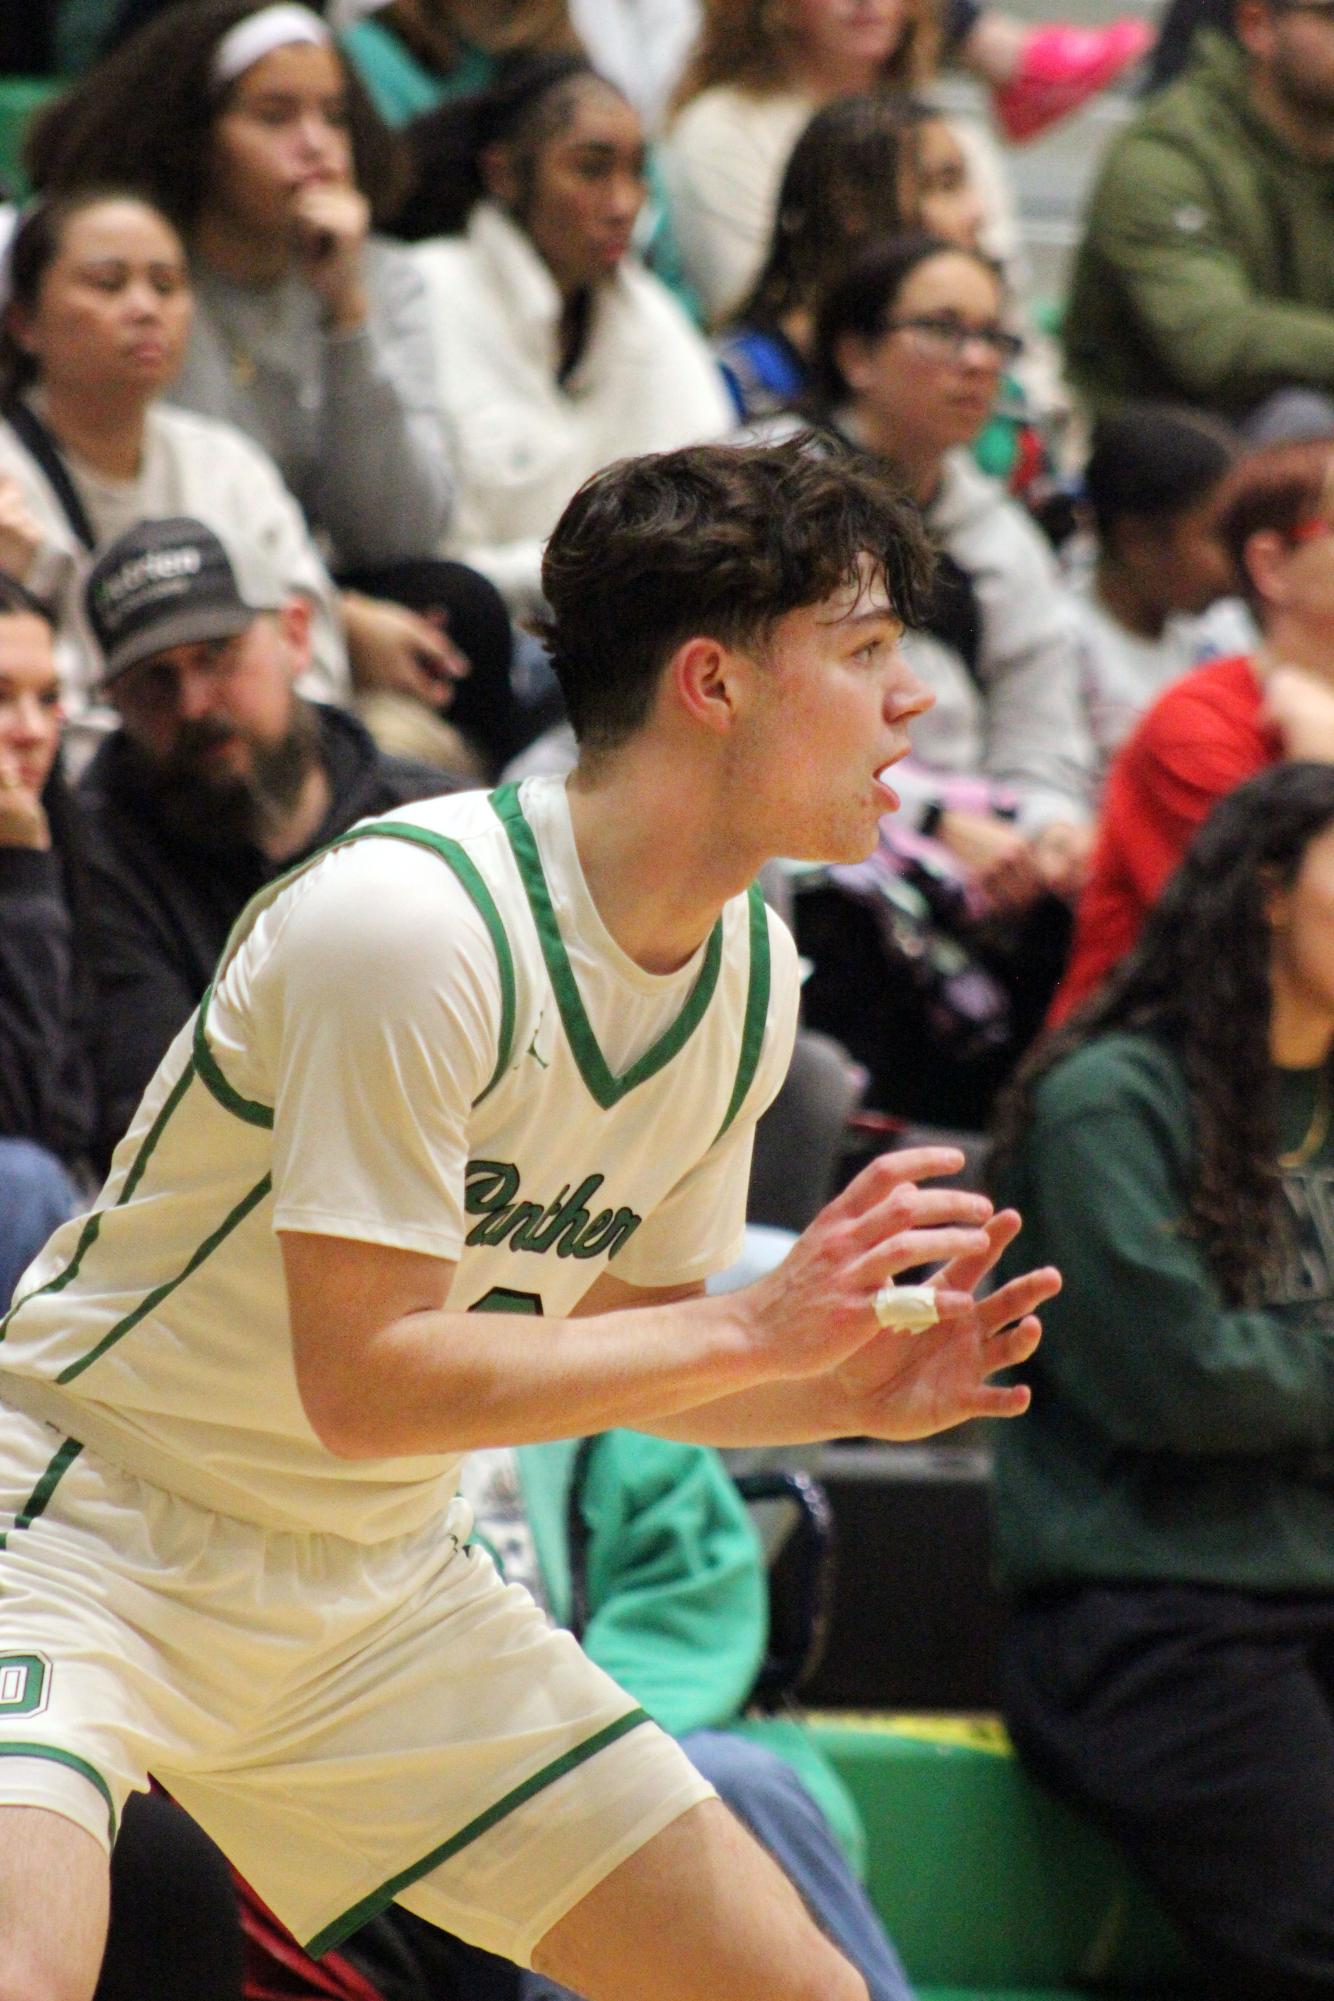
(1171, 1437)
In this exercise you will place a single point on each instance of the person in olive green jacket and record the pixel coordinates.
(1165, 1511)
(1206, 272)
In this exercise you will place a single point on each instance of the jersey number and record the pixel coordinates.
(501, 1299)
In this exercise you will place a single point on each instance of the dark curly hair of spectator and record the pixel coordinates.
(1199, 980)
(844, 183)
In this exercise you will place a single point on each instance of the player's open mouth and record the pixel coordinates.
(891, 799)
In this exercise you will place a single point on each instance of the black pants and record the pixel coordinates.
(1197, 1725)
(175, 1934)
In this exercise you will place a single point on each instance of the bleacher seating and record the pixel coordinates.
(991, 1890)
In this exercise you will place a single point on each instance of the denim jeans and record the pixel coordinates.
(36, 1196)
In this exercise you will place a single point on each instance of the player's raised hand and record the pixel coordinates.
(818, 1306)
(904, 1386)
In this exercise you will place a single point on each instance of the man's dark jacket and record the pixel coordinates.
(162, 907)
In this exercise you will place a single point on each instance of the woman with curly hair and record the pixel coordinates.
(761, 69)
(247, 129)
(1165, 1513)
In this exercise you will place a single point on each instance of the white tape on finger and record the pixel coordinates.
(908, 1309)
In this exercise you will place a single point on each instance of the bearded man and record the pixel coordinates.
(219, 777)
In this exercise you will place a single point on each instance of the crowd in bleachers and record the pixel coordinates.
(333, 316)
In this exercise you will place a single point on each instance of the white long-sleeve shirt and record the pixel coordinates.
(525, 441)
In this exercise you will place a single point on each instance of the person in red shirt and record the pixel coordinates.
(1220, 725)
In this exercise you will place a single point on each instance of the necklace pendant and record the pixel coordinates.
(243, 369)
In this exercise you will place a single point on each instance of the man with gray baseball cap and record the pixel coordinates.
(218, 778)
(171, 583)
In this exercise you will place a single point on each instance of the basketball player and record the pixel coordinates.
(443, 1161)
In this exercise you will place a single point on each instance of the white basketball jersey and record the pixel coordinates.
(424, 1038)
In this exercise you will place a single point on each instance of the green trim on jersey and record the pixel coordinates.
(605, 1089)
(211, 1077)
(370, 1906)
(152, 1300)
(40, 1498)
(88, 1234)
(757, 1007)
(205, 1066)
(75, 1764)
(456, 858)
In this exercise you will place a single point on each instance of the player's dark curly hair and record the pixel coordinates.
(721, 540)
(1199, 981)
(141, 119)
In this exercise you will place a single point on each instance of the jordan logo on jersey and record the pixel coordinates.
(566, 1225)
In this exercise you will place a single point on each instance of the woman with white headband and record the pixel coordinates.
(311, 333)
(245, 127)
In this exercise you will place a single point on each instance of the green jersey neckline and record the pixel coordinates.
(605, 1088)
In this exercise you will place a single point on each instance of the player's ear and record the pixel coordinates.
(703, 675)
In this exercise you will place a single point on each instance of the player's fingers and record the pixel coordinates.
(909, 1207)
(1013, 1345)
(888, 1170)
(967, 1273)
(1017, 1298)
(911, 1249)
(1002, 1400)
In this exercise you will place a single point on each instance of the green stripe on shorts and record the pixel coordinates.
(370, 1907)
(75, 1764)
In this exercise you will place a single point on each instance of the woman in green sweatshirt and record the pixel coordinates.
(1165, 1512)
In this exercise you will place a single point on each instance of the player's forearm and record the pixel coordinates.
(440, 1382)
(807, 1411)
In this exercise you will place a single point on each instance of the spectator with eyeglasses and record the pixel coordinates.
(910, 347)
(909, 350)
(1206, 274)
(865, 166)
